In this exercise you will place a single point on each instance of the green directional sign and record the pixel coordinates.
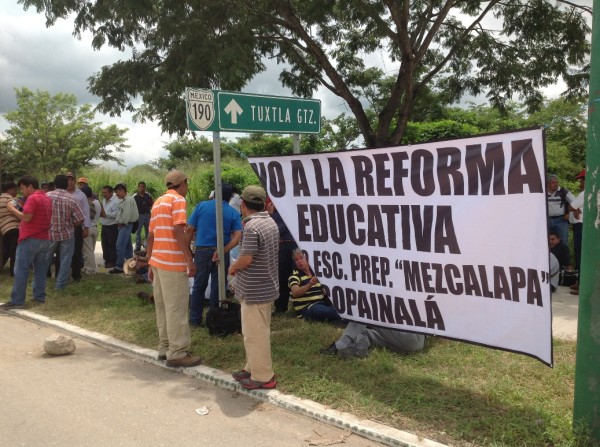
(216, 110)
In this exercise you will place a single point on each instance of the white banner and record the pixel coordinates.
(444, 238)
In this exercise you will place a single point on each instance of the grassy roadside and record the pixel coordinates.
(453, 393)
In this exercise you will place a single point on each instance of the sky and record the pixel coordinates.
(52, 59)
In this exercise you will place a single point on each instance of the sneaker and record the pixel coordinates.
(330, 350)
(240, 375)
(362, 352)
(250, 384)
(187, 361)
(10, 305)
(115, 270)
(161, 357)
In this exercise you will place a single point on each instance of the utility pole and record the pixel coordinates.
(586, 407)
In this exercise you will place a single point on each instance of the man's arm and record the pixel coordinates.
(298, 290)
(241, 263)
(190, 230)
(181, 238)
(25, 217)
(235, 239)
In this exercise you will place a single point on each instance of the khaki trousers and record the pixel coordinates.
(171, 300)
(256, 329)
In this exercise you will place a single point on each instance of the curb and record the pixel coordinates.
(362, 427)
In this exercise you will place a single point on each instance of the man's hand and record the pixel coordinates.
(86, 232)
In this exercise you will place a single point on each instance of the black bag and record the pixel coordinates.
(568, 278)
(134, 227)
(224, 320)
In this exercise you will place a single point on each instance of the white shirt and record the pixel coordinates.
(111, 207)
(578, 205)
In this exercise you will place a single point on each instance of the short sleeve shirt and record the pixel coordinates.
(40, 206)
(168, 211)
(259, 283)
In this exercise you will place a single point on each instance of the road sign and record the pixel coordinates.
(216, 110)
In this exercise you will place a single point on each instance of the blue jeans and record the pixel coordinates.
(320, 311)
(143, 222)
(124, 247)
(31, 252)
(65, 254)
(560, 226)
(205, 269)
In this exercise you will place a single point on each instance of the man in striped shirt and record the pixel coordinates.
(171, 263)
(256, 286)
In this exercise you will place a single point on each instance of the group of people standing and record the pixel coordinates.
(269, 269)
(564, 211)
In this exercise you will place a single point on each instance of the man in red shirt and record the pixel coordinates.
(35, 247)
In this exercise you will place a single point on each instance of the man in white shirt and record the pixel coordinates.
(109, 232)
(576, 221)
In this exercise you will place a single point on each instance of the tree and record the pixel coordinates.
(442, 46)
(50, 134)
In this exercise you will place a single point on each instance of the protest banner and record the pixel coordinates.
(444, 238)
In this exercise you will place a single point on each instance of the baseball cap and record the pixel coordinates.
(254, 194)
(175, 178)
(82, 180)
(580, 175)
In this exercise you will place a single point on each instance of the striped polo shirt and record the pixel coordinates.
(8, 221)
(314, 294)
(259, 282)
(168, 210)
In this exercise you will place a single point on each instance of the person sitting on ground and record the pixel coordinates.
(307, 294)
(358, 338)
(560, 250)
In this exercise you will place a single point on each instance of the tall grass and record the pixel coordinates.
(235, 171)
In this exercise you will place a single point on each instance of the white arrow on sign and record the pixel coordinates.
(234, 109)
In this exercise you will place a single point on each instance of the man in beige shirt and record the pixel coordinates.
(127, 215)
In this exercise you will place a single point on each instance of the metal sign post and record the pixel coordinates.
(216, 111)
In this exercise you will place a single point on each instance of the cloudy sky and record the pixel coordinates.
(52, 59)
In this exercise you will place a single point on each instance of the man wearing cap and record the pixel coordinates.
(67, 215)
(171, 263)
(35, 247)
(576, 220)
(127, 215)
(559, 200)
(81, 230)
(203, 222)
(144, 202)
(256, 286)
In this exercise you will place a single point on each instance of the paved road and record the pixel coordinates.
(564, 314)
(99, 398)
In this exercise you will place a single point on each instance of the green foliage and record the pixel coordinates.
(437, 130)
(237, 176)
(441, 48)
(51, 134)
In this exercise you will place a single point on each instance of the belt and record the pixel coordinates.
(556, 217)
(205, 248)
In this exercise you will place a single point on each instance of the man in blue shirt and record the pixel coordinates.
(203, 222)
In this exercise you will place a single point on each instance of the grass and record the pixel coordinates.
(453, 392)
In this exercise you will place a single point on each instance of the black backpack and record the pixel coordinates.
(224, 320)
(562, 193)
